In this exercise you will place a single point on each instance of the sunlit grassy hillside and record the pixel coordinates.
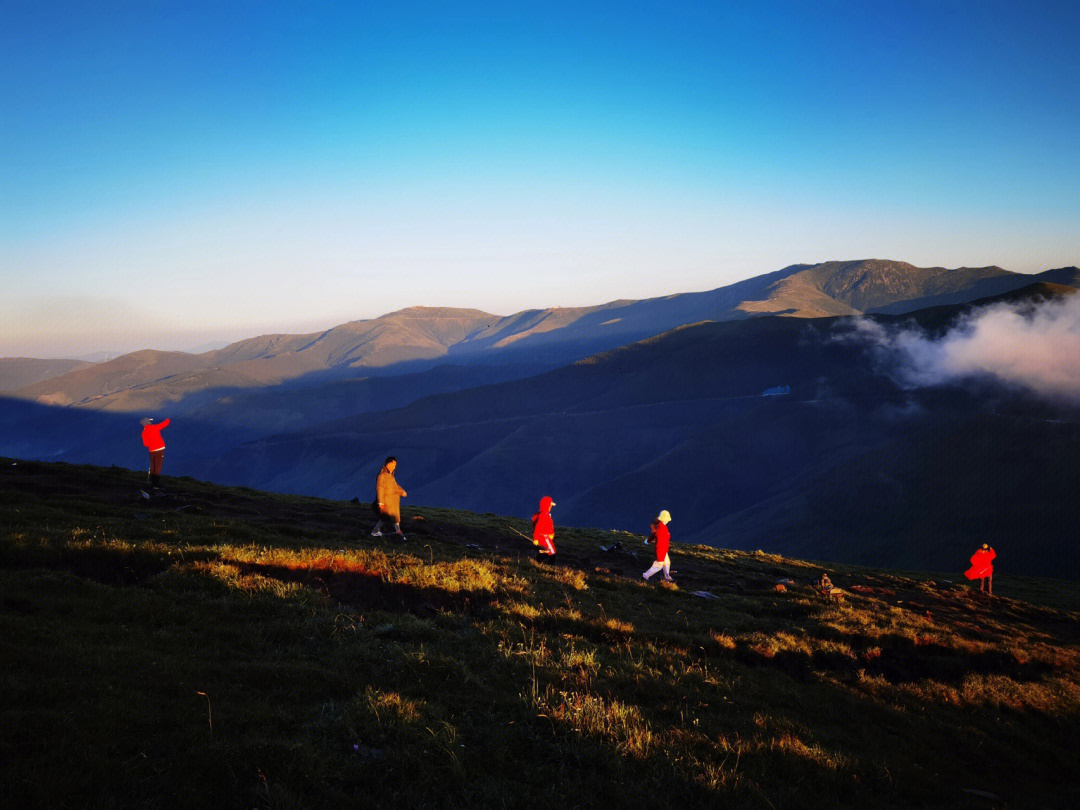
(228, 648)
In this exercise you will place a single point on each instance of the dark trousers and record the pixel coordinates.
(156, 457)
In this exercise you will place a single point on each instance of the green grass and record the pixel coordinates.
(229, 648)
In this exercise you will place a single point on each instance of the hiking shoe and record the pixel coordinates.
(376, 534)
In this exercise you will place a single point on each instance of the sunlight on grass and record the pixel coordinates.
(248, 583)
(725, 641)
(791, 744)
(578, 659)
(610, 720)
(389, 708)
(522, 610)
(461, 575)
(573, 577)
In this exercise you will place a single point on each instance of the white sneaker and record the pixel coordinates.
(376, 534)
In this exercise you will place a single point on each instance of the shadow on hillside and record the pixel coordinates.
(898, 659)
(106, 565)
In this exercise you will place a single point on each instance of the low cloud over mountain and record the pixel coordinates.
(1035, 345)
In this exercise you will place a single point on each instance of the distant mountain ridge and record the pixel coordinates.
(416, 338)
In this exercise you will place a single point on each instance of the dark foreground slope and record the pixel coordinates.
(228, 648)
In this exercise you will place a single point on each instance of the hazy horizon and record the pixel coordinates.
(210, 340)
(174, 176)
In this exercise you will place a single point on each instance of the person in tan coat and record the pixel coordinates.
(388, 497)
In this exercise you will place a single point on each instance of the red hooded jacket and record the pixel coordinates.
(543, 526)
(981, 564)
(151, 436)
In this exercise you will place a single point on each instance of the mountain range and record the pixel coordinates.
(616, 410)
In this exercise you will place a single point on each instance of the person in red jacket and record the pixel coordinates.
(151, 438)
(544, 527)
(982, 568)
(661, 538)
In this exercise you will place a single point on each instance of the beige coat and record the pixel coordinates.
(388, 494)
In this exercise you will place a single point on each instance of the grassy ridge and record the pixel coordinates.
(225, 647)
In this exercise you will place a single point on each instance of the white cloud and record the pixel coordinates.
(1033, 345)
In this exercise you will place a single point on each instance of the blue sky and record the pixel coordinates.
(175, 173)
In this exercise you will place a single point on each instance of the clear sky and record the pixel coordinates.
(173, 173)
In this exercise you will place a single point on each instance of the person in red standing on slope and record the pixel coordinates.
(151, 438)
(544, 527)
(982, 568)
(661, 538)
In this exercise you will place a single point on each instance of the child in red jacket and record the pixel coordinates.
(544, 527)
(661, 537)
